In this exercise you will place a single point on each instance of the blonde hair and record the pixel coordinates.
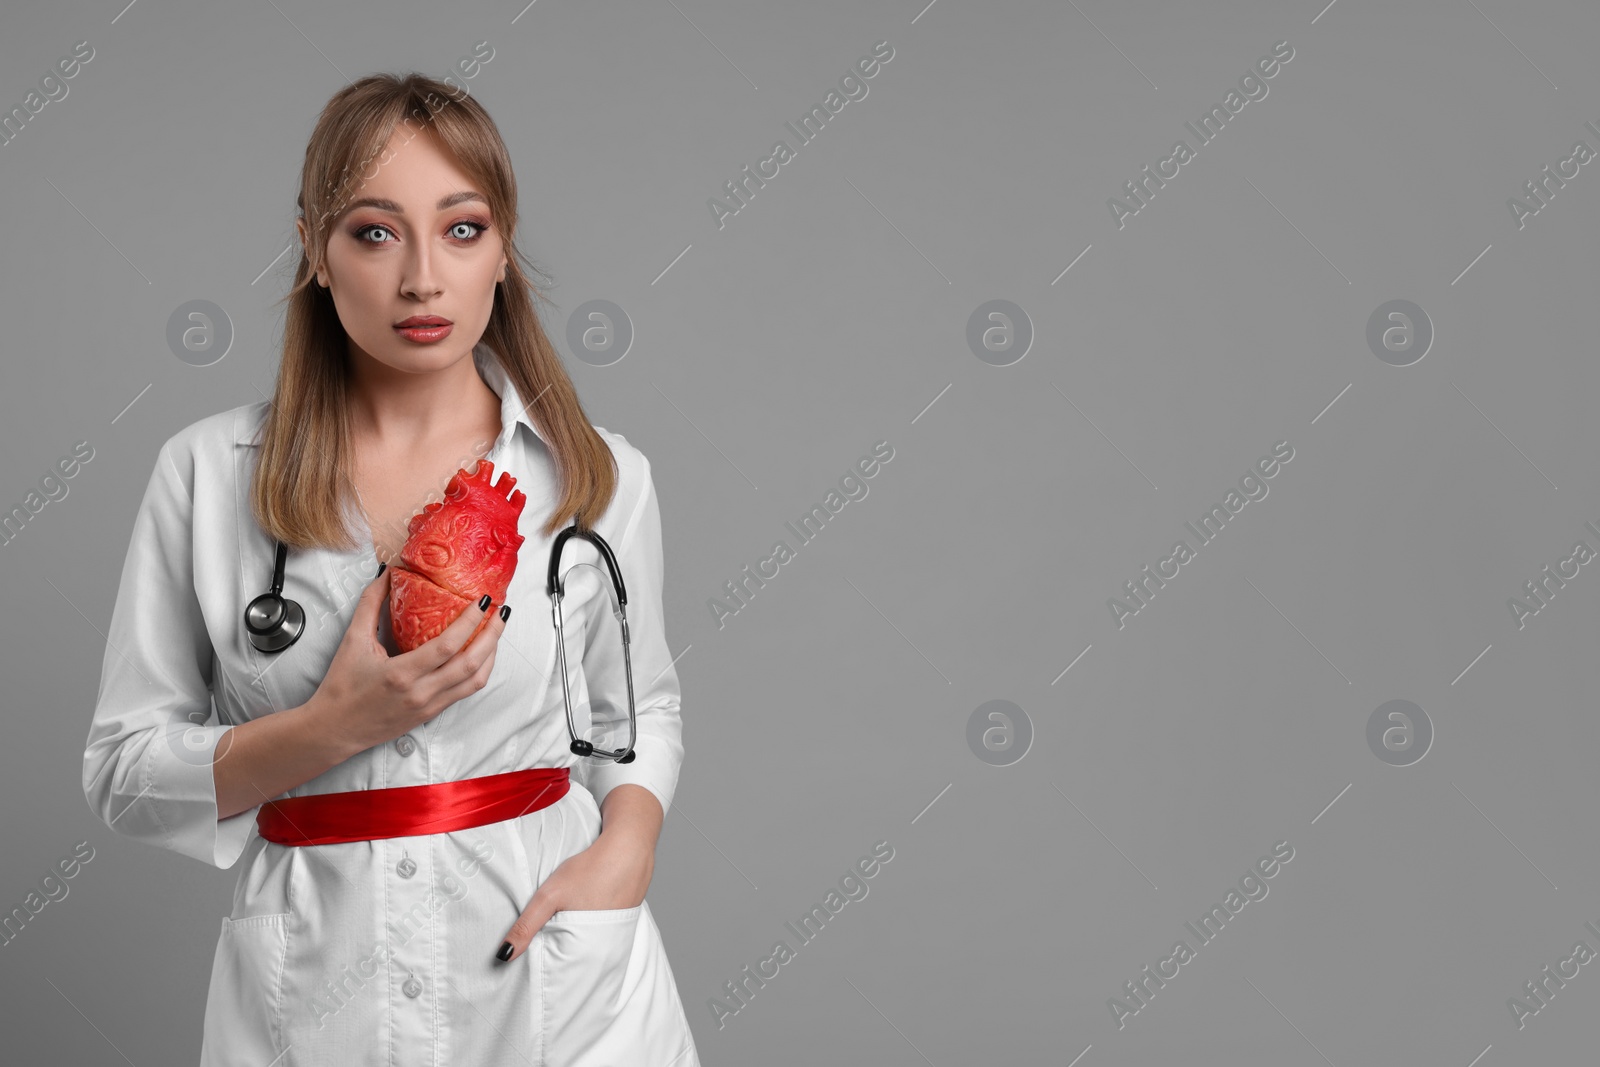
(301, 488)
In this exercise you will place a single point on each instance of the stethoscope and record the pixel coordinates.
(273, 622)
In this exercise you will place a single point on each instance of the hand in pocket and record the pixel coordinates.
(610, 875)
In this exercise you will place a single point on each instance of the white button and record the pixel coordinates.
(407, 867)
(411, 987)
(405, 745)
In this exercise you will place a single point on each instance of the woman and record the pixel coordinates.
(362, 932)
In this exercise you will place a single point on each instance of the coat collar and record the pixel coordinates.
(513, 410)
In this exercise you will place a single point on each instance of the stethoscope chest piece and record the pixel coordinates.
(272, 621)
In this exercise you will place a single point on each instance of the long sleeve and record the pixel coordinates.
(658, 752)
(147, 763)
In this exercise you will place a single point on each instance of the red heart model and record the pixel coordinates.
(456, 550)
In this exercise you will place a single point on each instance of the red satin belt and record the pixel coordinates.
(409, 810)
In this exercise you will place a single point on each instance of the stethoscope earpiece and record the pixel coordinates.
(581, 747)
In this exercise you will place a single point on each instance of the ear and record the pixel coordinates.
(300, 231)
(501, 276)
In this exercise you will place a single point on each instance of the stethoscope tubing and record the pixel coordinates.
(555, 587)
(273, 622)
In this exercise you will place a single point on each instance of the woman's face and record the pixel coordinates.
(415, 241)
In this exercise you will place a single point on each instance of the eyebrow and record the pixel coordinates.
(444, 203)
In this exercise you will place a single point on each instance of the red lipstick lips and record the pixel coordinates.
(424, 329)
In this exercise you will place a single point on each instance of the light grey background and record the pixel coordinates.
(832, 312)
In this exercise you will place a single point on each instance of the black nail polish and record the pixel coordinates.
(505, 612)
(381, 567)
(504, 953)
(483, 605)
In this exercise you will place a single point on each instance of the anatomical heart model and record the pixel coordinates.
(458, 549)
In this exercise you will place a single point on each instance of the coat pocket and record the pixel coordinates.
(243, 1010)
(589, 967)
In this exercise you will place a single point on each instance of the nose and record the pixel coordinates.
(419, 279)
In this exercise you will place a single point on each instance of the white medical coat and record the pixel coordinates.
(382, 952)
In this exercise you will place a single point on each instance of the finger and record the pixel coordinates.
(479, 646)
(455, 677)
(370, 603)
(532, 919)
(427, 656)
(471, 684)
